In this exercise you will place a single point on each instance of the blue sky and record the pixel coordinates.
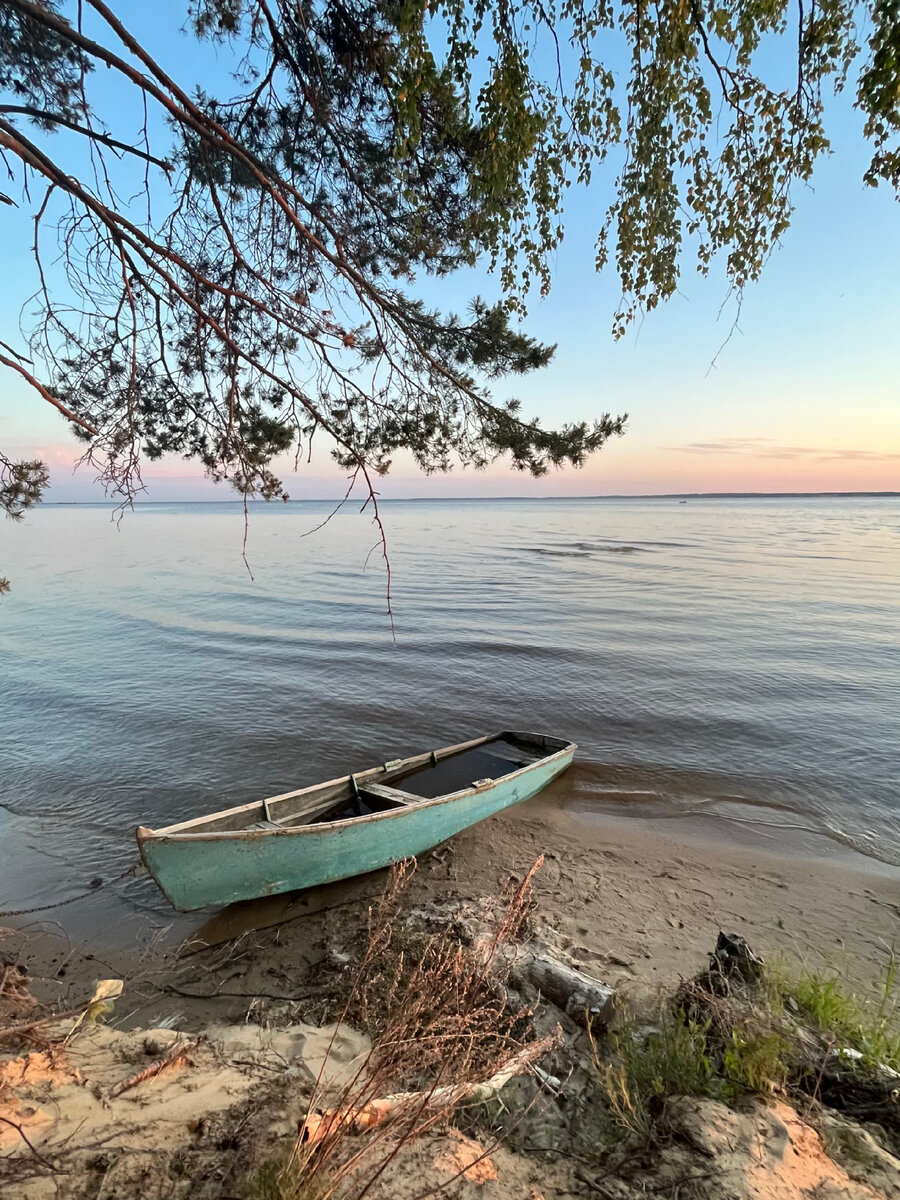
(805, 395)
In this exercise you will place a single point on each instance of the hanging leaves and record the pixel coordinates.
(261, 285)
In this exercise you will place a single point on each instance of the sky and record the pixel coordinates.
(803, 396)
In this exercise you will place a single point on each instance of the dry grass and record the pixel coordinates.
(439, 1020)
(444, 1004)
(441, 1031)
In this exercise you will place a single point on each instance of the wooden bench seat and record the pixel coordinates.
(388, 793)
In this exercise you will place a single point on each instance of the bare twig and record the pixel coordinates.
(24, 1136)
(175, 1057)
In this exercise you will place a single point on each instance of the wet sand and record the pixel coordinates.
(624, 900)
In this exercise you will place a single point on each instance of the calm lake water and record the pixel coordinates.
(729, 661)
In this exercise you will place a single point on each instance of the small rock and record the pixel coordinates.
(711, 1128)
(158, 1041)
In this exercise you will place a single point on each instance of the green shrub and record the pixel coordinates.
(827, 1002)
(672, 1060)
(755, 1060)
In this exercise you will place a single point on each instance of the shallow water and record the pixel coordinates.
(730, 660)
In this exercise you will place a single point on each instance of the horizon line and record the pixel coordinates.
(452, 499)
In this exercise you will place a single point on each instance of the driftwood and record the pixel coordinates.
(317, 1126)
(176, 1057)
(15, 1031)
(586, 1000)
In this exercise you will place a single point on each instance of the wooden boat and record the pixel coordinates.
(350, 825)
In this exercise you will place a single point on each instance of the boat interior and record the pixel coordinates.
(392, 785)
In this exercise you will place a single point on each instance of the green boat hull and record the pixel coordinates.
(205, 869)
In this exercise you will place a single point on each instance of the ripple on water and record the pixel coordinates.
(736, 659)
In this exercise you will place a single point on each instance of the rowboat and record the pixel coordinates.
(350, 825)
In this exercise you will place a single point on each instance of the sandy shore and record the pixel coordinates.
(623, 899)
(251, 988)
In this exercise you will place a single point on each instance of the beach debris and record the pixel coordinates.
(551, 1082)
(97, 1008)
(732, 961)
(171, 1021)
(584, 999)
(842, 1079)
(176, 1057)
(101, 1004)
(317, 1126)
(31, 1028)
(727, 997)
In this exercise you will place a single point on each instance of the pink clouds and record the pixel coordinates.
(626, 467)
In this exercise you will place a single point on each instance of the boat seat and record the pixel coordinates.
(389, 793)
(261, 826)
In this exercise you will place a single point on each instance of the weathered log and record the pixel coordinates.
(586, 1000)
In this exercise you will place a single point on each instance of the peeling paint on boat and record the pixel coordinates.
(200, 869)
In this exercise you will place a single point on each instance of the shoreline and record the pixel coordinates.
(625, 899)
(716, 834)
(211, 1060)
(723, 834)
(882, 495)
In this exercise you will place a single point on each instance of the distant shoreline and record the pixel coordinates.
(499, 499)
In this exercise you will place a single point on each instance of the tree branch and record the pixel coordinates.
(46, 395)
(37, 114)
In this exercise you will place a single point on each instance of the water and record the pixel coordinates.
(729, 661)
